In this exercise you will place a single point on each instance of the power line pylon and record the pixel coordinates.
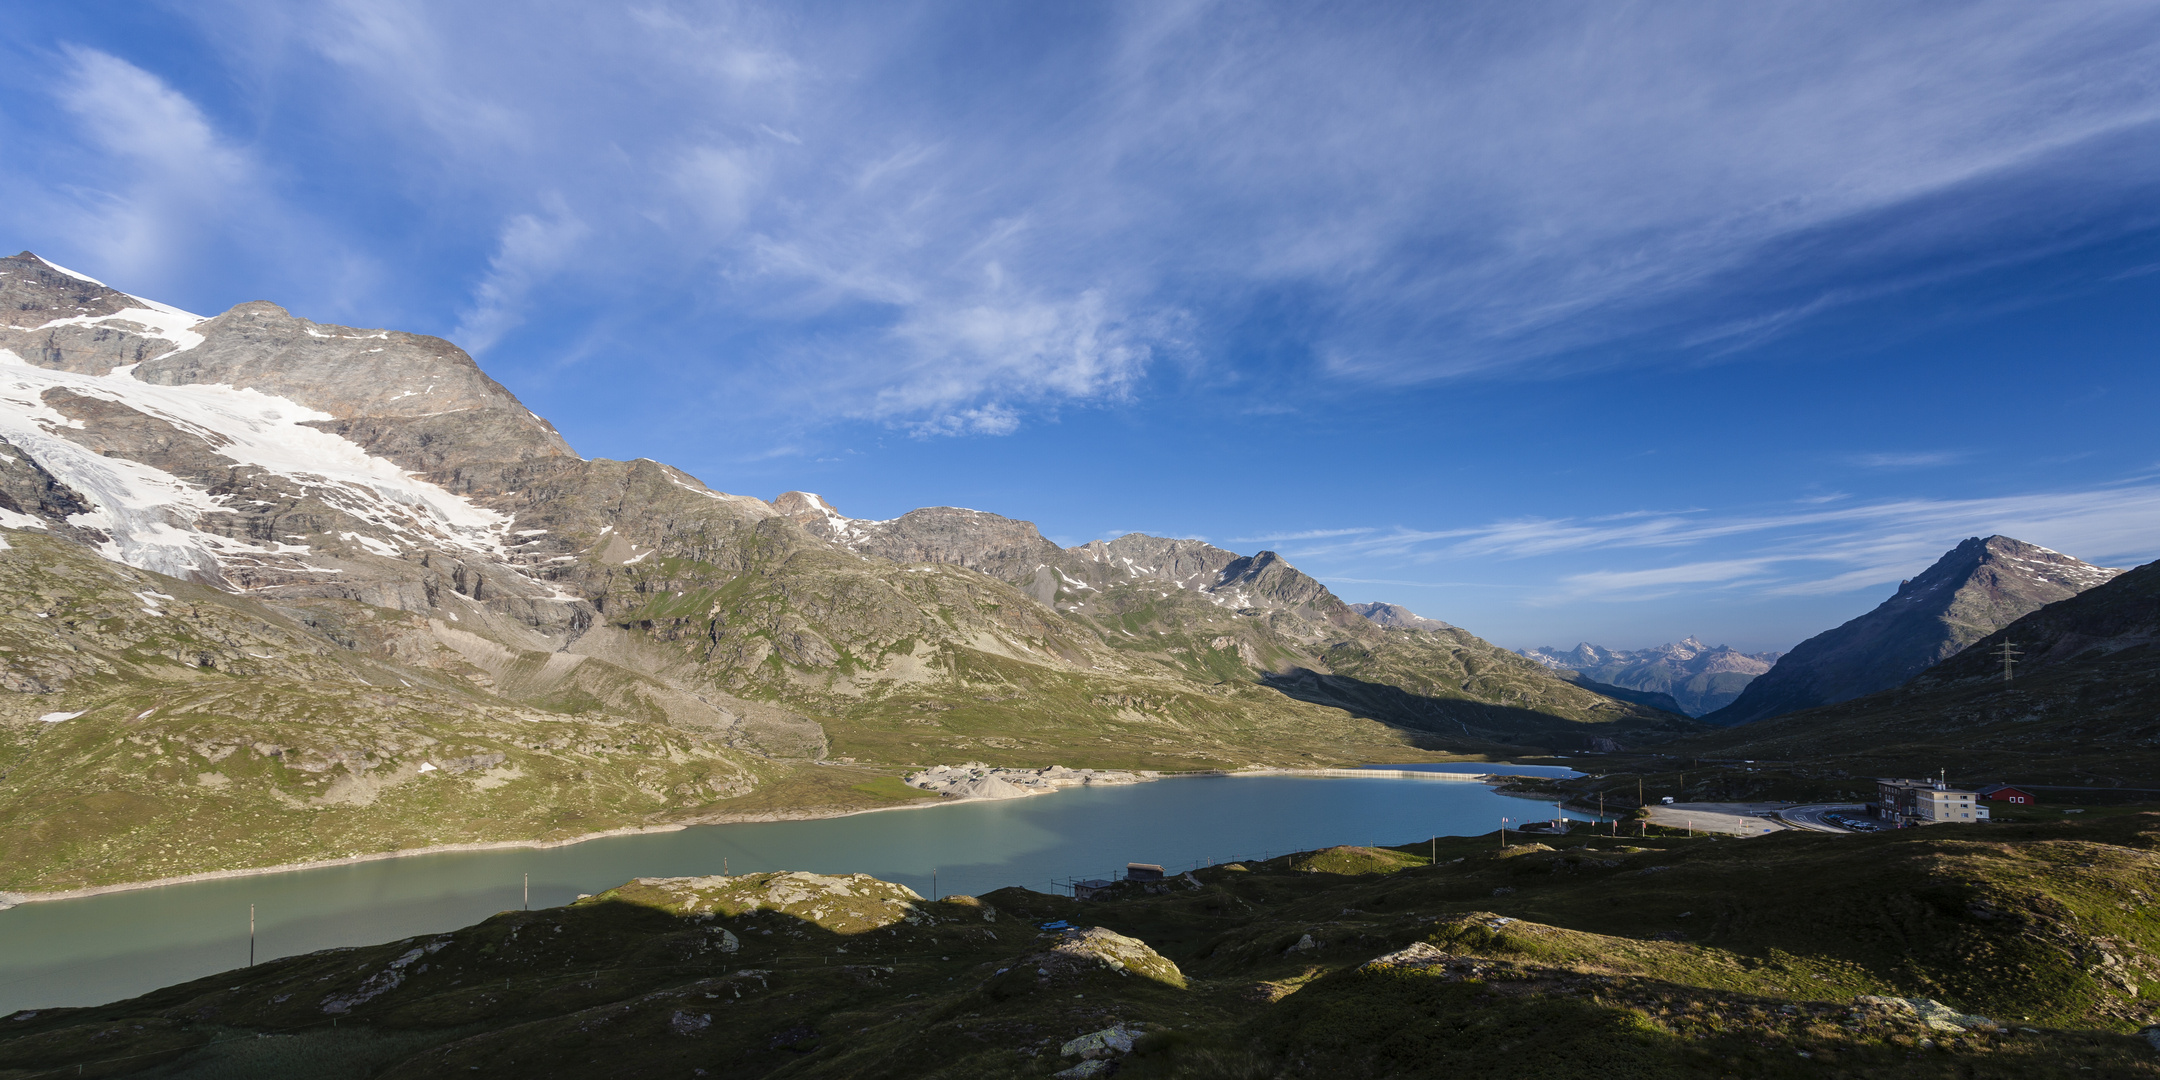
(2009, 652)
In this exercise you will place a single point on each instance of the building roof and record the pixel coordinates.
(1923, 785)
(1993, 788)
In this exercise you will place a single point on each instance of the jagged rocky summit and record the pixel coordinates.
(1015, 552)
(1397, 615)
(1975, 589)
(1697, 678)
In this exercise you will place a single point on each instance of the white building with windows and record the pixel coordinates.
(1926, 802)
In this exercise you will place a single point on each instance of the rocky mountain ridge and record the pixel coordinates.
(1975, 589)
(380, 554)
(1017, 553)
(1397, 615)
(1699, 678)
(2077, 709)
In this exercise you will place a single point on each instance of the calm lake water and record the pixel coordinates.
(103, 948)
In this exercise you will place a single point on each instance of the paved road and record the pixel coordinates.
(1810, 817)
(1730, 819)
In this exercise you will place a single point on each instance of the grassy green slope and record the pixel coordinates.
(216, 732)
(220, 732)
(723, 653)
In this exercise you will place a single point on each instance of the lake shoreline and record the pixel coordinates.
(17, 899)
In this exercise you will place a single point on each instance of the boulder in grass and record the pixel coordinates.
(1079, 956)
(1417, 955)
(1109, 1042)
(1086, 1070)
(1934, 1015)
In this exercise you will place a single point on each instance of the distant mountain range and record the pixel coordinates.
(294, 589)
(1975, 589)
(1695, 677)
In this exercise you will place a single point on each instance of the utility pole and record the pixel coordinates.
(251, 935)
(2009, 652)
(528, 890)
(1503, 832)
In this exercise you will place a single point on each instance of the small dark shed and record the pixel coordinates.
(1142, 871)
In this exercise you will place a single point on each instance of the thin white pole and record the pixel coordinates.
(251, 935)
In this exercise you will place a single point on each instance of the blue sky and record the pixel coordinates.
(1597, 321)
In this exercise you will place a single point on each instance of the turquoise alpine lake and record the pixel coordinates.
(102, 948)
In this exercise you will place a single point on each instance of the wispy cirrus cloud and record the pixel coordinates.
(953, 241)
(533, 248)
(1920, 459)
(1664, 579)
(1424, 584)
(181, 166)
(1791, 552)
(168, 188)
(117, 170)
(1308, 534)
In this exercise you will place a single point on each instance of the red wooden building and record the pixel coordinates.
(2008, 794)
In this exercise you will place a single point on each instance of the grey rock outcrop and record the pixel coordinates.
(1110, 1042)
(984, 782)
(61, 320)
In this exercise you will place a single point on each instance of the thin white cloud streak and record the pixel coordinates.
(532, 249)
(1657, 581)
(2110, 521)
(1793, 553)
(181, 167)
(1912, 460)
(1309, 534)
(1334, 579)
